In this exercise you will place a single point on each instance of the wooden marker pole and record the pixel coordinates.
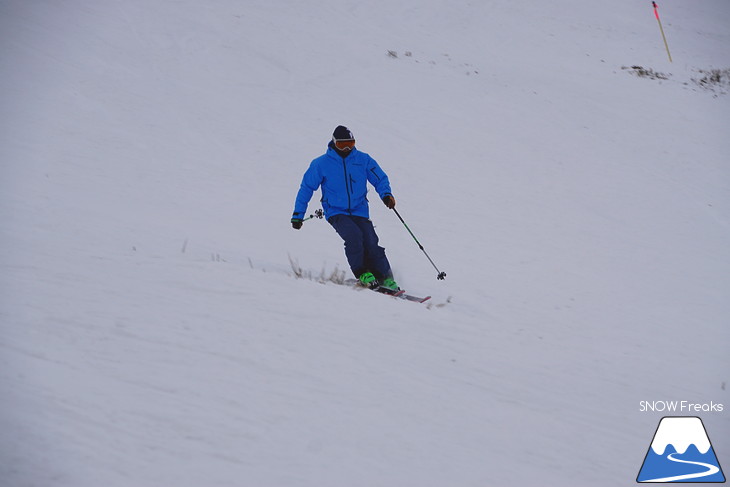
(656, 14)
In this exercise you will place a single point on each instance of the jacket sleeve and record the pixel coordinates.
(310, 183)
(378, 178)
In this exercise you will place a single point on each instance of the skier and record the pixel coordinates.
(343, 173)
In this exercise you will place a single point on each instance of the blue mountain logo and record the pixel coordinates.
(681, 452)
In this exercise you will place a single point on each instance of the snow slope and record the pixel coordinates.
(151, 332)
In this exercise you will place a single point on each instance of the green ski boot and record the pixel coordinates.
(389, 283)
(367, 279)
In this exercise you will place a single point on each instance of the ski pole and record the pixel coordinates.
(317, 214)
(656, 14)
(441, 275)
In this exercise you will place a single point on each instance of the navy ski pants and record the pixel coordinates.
(361, 245)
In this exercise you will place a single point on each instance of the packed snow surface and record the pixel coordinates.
(153, 331)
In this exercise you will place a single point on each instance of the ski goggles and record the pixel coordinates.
(344, 144)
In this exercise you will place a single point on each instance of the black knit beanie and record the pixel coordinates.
(342, 133)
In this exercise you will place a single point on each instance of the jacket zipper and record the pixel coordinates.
(347, 187)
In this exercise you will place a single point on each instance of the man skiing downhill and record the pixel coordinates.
(343, 173)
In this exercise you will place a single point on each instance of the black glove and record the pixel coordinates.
(389, 201)
(296, 223)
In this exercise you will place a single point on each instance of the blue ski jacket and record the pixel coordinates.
(344, 183)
